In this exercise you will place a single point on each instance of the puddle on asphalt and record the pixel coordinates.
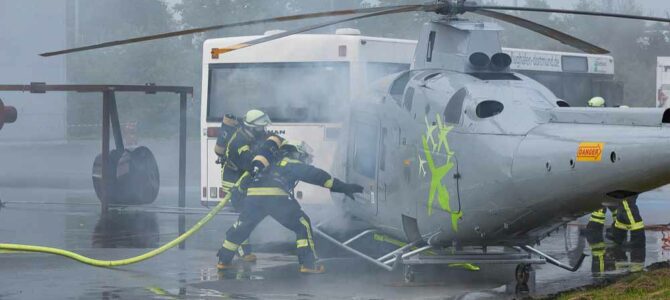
(83, 227)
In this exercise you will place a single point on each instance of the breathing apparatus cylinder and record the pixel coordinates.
(229, 125)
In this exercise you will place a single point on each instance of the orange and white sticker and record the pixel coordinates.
(589, 151)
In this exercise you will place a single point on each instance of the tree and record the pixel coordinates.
(159, 62)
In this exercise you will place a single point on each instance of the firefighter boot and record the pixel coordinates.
(308, 262)
(244, 251)
(312, 268)
(225, 259)
(638, 238)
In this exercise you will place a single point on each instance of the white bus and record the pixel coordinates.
(303, 81)
(573, 77)
(663, 82)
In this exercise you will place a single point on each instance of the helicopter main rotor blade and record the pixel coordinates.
(253, 22)
(406, 8)
(568, 11)
(544, 30)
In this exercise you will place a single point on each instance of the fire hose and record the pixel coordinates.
(120, 262)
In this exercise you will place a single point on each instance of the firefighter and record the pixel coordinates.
(628, 219)
(597, 220)
(244, 146)
(271, 193)
(626, 216)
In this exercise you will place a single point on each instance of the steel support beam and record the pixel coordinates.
(114, 117)
(106, 103)
(182, 163)
(110, 117)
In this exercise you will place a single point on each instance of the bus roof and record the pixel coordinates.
(312, 47)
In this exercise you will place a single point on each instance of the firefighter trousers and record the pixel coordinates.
(597, 220)
(228, 181)
(628, 219)
(284, 210)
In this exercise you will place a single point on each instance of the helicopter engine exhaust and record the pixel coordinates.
(500, 61)
(479, 60)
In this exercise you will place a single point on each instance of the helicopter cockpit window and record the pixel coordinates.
(452, 113)
(398, 87)
(488, 108)
(408, 100)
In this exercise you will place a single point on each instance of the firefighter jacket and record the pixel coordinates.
(281, 177)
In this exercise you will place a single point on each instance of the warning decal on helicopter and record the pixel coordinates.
(590, 151)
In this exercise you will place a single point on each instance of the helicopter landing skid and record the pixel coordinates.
(472, 261)
(417, 253)
(387, 262)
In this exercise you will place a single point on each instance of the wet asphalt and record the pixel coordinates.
(69, 217)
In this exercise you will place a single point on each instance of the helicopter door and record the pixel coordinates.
(363, 168)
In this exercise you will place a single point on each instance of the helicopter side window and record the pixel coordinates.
(431, 45)
(398, 87)
(452, 113)
(562, 103)
(488, 108)
(409, 99)
(365, 149)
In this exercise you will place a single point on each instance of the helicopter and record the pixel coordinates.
(459, 152)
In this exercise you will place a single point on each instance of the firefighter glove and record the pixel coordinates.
(348, 189)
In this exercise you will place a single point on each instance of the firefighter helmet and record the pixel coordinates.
(256, 118)
(597, 102)
(297, 150)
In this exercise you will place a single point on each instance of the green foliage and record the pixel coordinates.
(653, 284)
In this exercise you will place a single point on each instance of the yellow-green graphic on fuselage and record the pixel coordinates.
(435, 142)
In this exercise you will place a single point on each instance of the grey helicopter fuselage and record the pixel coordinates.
(489, 158)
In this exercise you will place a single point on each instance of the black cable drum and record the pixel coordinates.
(132, 175)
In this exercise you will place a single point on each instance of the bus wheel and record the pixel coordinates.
(132, 177)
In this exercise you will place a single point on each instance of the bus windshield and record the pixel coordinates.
(287, 92)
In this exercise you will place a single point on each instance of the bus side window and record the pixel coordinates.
(577, 88)
(453, 111)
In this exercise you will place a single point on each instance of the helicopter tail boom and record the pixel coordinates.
(586, 163)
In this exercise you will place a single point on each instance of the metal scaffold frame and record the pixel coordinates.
(110, 116)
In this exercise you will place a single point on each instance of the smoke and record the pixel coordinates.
(289, 92)
(307, 101)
